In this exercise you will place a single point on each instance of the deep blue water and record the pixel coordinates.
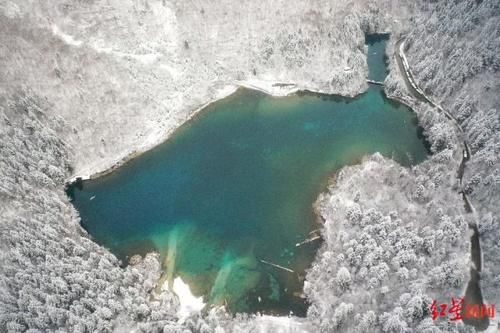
(236, 185)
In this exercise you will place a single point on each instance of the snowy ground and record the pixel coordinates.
(86, 85)
(123, 79)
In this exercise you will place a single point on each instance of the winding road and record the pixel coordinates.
(473, 293)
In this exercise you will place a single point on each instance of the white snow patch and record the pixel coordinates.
(189, 303)
(174, 72)
(68, 39)
(10, 9)
(280, 325)
(270, 87)
(146, 58)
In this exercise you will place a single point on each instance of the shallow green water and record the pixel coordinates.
(376, 58)
(236, 185)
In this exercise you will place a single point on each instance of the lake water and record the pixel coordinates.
(236, 185)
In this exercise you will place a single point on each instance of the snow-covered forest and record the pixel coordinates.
(387, 256)
(53, 277)
(394, 238)
(464, 77)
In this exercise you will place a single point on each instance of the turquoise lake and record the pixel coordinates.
(236, 185)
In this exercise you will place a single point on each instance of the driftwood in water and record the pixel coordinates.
(379, 83)
(314, 231)
(314, 235)
(308, 240)
(277, 266)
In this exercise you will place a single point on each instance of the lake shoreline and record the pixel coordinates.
(271, 88)
(330, 172)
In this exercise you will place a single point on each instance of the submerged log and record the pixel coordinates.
(314, 231)
(277, 266)
(379, 83)
(308, 240)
